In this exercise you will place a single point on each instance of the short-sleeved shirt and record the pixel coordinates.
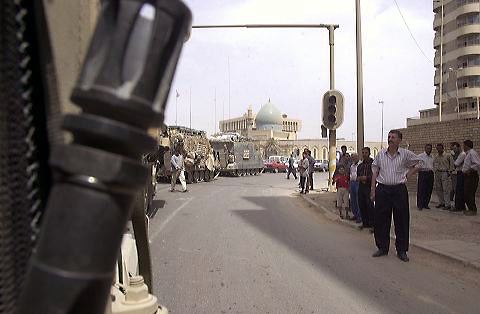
(392, 170)
(458, 161)
(472, 161)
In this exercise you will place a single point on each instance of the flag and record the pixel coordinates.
(178, 95)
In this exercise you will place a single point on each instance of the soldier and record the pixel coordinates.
(443, 167)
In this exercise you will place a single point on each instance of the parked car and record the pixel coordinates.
(275, 164)
(320, 165)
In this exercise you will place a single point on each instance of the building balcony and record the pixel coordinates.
(459, 52)
(437, 21)
(469, 71)
(436, 41)
(436, 60)
(473, 92)
(445, 117)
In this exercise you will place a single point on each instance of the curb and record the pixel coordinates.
(331, 216)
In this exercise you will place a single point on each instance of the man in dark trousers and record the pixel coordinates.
(457, 177)
(425, 178)
(471, 168)
(311, 166)
(391, 169)
(291, 167)
(364, 173)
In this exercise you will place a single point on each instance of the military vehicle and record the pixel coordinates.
(236, 155)
(194, 146)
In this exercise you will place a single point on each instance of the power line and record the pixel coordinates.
(411, 34)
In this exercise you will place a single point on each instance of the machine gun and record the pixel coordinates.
(94, 179)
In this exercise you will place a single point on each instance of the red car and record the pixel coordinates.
(275, 164)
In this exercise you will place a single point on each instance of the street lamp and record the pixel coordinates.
(381, 140)
(456, 88)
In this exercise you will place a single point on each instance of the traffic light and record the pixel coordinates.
(333, 109)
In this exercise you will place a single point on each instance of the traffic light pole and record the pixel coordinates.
(332, 134)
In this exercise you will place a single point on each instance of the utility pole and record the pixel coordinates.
(360, 120)
(331, 28)
(332, 134)
(441, 66)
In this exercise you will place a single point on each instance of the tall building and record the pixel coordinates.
(268, 123)
(457, 55)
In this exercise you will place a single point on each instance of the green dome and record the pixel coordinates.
(269, 117)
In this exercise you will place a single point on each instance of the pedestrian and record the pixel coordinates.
(354, 184)
(178, 171)
(457, 178)
(303, 169)
(443, 167)
(425, 178)
(311, 169)
(345, 159)
(364, 173)
(341, 180)
(291, 168)
(471, 168)
(391, 169)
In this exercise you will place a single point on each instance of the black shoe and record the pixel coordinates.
(446, 208)
(470, 213)
(419, 208)
(440, 206)
(403, 256)
(379, 253)
(427, 207)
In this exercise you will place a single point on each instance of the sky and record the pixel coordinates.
(291, 66)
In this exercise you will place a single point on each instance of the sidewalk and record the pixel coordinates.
(448, 234)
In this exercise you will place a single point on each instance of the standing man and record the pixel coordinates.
(291, 168)
(471, 168)
(457, 178)
(391, 169)
(443, 167)
(425, 178)
(364, 172)
(354, 184)
(178, 171)
(311, 169)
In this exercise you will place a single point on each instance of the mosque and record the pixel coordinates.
(268, 123)
(277, 134)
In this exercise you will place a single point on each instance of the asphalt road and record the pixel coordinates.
(251, 245)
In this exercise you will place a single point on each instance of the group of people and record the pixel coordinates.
(305, 168)
(377, 187)
(454, 176)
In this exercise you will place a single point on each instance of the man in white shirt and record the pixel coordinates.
(178, 171)
(391, 169)
(425, 178)
(354, 185)
(457, 178)
(471, 168)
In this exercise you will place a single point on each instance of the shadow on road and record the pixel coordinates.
(345, 254)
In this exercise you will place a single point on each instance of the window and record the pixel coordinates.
(324, 153)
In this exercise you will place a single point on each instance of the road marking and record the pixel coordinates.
(170, 217)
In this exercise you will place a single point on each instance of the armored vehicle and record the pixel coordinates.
(236, 155)
(194, 146)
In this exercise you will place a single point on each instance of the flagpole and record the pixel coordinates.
(215, 112)
(176, 107)
(190, 107)
(229, 87)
